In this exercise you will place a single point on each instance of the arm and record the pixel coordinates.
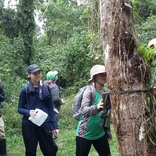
(86, 108)
(22, 108)
(2, 94)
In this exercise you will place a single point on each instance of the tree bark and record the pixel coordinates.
(126, 70)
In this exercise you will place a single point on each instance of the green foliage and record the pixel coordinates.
(9, 23)
(149, 56)
(69, 44)
(147, 29)
(12, 57)
(145, 19)
(147, 53)
(76, 58)
(13, 125)
(62, 20)
(27, 28)
(143, 9)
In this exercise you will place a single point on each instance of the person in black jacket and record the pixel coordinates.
(34, 99)
(3, 151)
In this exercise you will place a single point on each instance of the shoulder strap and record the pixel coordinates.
(93, 94)
(27, 92)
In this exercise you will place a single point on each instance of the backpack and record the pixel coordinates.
(55, 91)
(78, 100)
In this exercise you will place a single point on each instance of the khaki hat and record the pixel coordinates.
(96, 69)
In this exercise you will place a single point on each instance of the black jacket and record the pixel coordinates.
(2, 97)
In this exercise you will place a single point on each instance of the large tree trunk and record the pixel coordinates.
(125, 71)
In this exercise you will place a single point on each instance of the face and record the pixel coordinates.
(154, 91)
(101, 78)
(35, 77)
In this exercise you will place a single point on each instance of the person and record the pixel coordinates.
(3, 150)
(52, 77)
(152, 43)
(90, 129)
(33, 97)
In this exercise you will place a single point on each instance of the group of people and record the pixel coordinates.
(37, 97)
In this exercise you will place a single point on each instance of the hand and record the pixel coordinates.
(32, 112)
(55, 132)
(62, 101)
(100, 104)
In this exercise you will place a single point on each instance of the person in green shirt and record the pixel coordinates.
(90, 129)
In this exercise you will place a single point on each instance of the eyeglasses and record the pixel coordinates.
(36, 73)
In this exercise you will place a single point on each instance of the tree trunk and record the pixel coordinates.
(126, 71)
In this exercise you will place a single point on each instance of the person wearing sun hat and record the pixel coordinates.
(90, 129)
(97, 69)
(36, 99)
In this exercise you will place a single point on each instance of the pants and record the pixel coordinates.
(2, 132)
(101, 146)
(42, 135)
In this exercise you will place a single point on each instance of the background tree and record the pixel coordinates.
(27, 26)
(127, 73)
(67, 42)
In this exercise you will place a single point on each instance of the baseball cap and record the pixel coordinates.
(51, 75)
(33, 68)
(96, 69)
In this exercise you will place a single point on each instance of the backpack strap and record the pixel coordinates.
(27, 92)
(93, 93)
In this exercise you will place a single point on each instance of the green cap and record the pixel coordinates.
(51, 75)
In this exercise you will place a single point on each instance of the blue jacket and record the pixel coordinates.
(41, 98)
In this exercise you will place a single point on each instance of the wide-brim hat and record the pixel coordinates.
(96, 69)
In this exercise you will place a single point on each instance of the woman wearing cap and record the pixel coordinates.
(90, 130)
(34, 96)
(52, 77)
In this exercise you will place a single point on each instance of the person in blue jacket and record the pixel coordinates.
(36, 95)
